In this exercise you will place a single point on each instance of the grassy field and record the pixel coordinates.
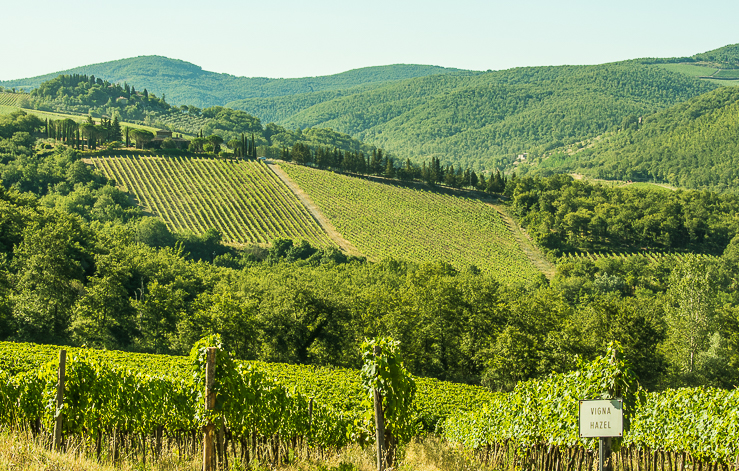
(728, 74)
(689, 69)
(20, 451)
(724, 83)
(385, 220)
(244, 200)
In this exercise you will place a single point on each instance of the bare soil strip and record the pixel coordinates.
(537, 258)
(344, 244)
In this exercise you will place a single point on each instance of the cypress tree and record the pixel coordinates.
(253, 147)
(115, 131)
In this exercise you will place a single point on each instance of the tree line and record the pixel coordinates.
(567, 215)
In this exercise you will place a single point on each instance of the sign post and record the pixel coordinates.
(602, 419)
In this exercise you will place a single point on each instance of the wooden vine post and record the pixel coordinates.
(61, 372)
(379, 422)
(210, 403)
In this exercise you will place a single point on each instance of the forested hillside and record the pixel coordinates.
(483, 121)
(81, 98)
(726, 57)
(692, 145)
(472, 119)
(188, 84)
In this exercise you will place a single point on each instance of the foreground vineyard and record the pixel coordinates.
(384, 220)
(132, 403)
(336, 387)
(244, 200)
(536, 425)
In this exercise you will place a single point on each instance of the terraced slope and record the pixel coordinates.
(244, 200)
(384, 220)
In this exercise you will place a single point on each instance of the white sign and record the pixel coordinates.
(602, 418)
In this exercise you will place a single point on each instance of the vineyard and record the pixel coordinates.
(133, 404)
(385, 221)
(727, 74)
(536, 425)
(339, 388)
(244, 200)
(10, 99)
(651, 256)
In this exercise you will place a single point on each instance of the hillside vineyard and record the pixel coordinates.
(244, 200)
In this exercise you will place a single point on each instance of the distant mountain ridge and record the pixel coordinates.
(185, 83)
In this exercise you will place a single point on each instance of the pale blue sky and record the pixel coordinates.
(290, 38)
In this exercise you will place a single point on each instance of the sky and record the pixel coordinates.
(291, 38)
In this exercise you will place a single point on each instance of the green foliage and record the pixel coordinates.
(482, 120)
(566, 215)
(692, 145)
(386, 373)
(186, 83)
(80, 93)
(727, 56)
(546, 410)
(699, 422)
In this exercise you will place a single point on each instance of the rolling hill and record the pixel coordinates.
(692, 145)
(470, 119)
(184, 83)
(417, 224)
(483, 121)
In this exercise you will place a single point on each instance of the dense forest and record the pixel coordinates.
(241, 132)
(726, 57)
(80, 264)
(691, 145)
(566, 215)
(480, 120)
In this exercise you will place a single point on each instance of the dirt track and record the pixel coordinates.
(344, 244)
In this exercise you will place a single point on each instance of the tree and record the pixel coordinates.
(142, 137)
(89, 131)
(169, 143)
(115, 130)
(49, 267)
(216, 141)
(154, 232)
(103, 316)
(196, 145)
(690, 314)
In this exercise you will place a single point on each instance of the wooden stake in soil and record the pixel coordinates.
(210, 403)
(59, 399)
(379, 423)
